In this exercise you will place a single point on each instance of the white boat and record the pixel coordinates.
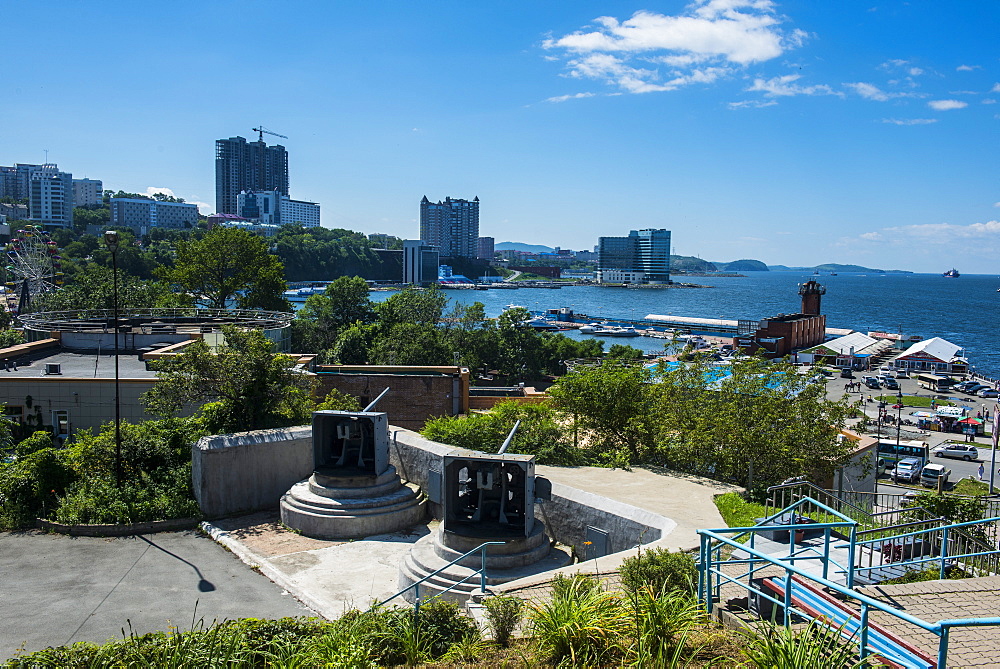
(541, 324)
(616, 332)
(590, 328)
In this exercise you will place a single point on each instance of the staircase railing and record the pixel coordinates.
(481, 549)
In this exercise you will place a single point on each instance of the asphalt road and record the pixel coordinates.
(56, 590)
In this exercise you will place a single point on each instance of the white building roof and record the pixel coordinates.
(935, 347)
(843, 345)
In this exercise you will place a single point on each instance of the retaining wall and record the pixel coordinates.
(249, 471)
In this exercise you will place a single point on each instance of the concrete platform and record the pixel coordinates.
(58, 590)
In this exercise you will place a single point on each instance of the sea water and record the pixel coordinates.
(963, 310)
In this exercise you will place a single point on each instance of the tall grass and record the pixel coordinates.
(582, 625)
(813, 647)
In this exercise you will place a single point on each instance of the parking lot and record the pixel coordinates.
(907, 386)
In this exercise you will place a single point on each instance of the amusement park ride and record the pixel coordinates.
(33, 268)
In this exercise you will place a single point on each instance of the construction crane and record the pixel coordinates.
(262, 130)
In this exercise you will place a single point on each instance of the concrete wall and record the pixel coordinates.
(89, 403)
(249, 471)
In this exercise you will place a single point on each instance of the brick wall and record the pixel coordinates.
(416, 394)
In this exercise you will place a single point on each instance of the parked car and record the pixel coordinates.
(907, 470)
(988, 392)
(931, 474)
(902, 374)
(965, 452)
(972, 390)
(871, 382)
(885, 369)
(962, 385)
(846, 373)
(890, 383)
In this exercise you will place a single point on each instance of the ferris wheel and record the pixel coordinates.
(33, 267)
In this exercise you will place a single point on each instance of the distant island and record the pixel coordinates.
(694, 265)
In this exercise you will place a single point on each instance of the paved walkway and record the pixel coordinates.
(686, 499)
(56, 590)
(329, 576)
(942, 600)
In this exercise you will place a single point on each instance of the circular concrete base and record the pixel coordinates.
(517, 558)
(328, 508)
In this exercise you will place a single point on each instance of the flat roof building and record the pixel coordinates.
(642, 257)
(87, 192)
(142, 215)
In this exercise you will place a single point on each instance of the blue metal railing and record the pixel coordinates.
(416, 586)
(711, 577)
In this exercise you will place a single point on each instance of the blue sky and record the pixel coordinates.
(793, 132)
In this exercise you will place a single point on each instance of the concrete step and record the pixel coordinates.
(425, 559)
(353, 518)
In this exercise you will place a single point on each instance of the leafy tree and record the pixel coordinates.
(352, 346)
(757, 423)
(252, 387)
(338, 401)
(228, 264)
(11, 337)
(413, 305)
(409, 344)
(343, 303)
(540, 433)
(92, 287)
(612, 404)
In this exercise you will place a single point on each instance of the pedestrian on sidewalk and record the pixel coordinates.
(982, 470)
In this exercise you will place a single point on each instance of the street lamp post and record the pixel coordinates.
(111, 240)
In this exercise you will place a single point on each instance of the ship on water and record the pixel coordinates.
(952, 274)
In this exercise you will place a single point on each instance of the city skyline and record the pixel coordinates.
(792, 132)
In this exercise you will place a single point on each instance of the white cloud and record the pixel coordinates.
(989, 101)
(915, 71)
(153, 190)
(981, 234)
(575, 96)
(752, 104)
(996, 204)
(910, 121)
(785, 86)
(967, 68)
(995, 89)
(945, 105)
(708, 40)
(869, 91)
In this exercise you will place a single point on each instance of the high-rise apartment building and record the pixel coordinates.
(50, 196)
(87, 192)
(451, 225)
(142, 215)
(642, 257)
(420, 262)
(485, 250)
(247, 166)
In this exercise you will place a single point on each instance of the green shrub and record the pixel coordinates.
(36, 441)
(30, 486)
(503, 615)
(660, 570)
(574, 585)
